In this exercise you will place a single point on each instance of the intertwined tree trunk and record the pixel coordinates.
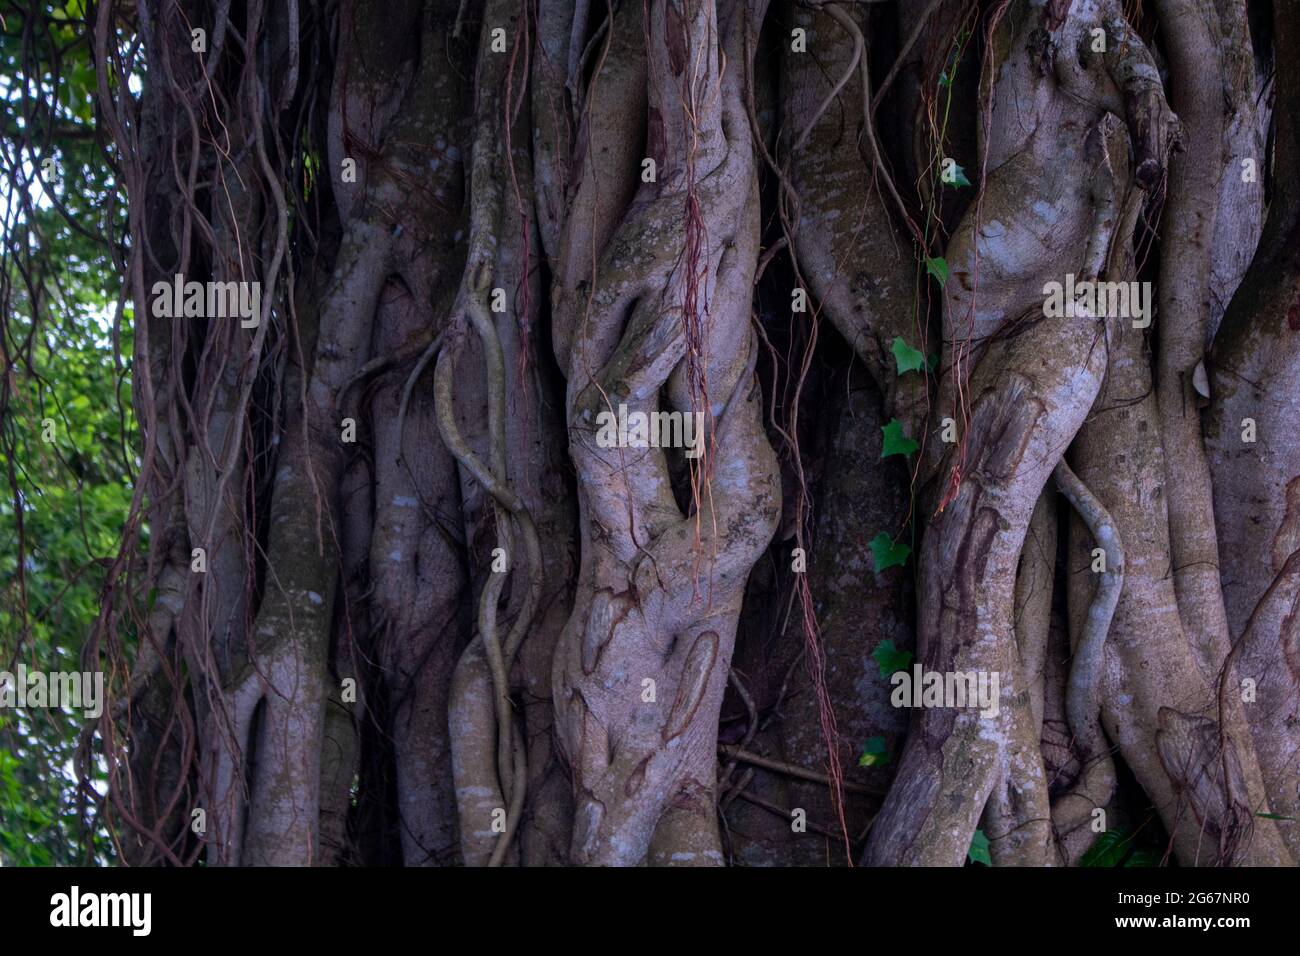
(401, 602)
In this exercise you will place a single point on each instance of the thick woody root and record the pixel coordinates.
(1176, 764)
(1017, 816)
(859, 271)
(286, 669)
(1016, 423)
(1037, 211)
(1032, 393)
(501, 783)
(1194, 34)
(418, 593)
(417, 583)
(1268, 657)
(610, 136)
(636, 756)
(643, 663)
(1095, 784)
(286, 666)
(1254, 451)
(489, 742)
(1192, 756)
(192, 470)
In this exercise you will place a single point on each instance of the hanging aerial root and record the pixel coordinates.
(1096, 783)
(511, 761)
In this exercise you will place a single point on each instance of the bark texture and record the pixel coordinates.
(802, 257)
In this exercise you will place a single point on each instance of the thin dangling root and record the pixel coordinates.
(1096, 782)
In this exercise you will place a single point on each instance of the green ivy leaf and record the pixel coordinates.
(1274, 816)
(874, 753)
(890, 659)
(888, 553)
(938, 267)
(906, 358)
(896, 443)
(1143, 858)
(1108, 850)
(958, 177)
(979, 849)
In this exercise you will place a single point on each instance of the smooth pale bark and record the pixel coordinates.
(659, 588)
(856, 265)
(1017, 410)
(1255, 388)
(1018, 818)
(1152, 683)
(1024, 410)
(1184, 321)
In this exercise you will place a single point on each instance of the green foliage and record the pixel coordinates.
(887, 553)
(889, 658)
(979, 849)
(65, 499)
(895, 442)
(1109, 849)
(906, 358)
(937, 267)
(874, 753)
(1117, 848)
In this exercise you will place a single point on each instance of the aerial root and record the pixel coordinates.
(512, 517)
(1096, 782)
